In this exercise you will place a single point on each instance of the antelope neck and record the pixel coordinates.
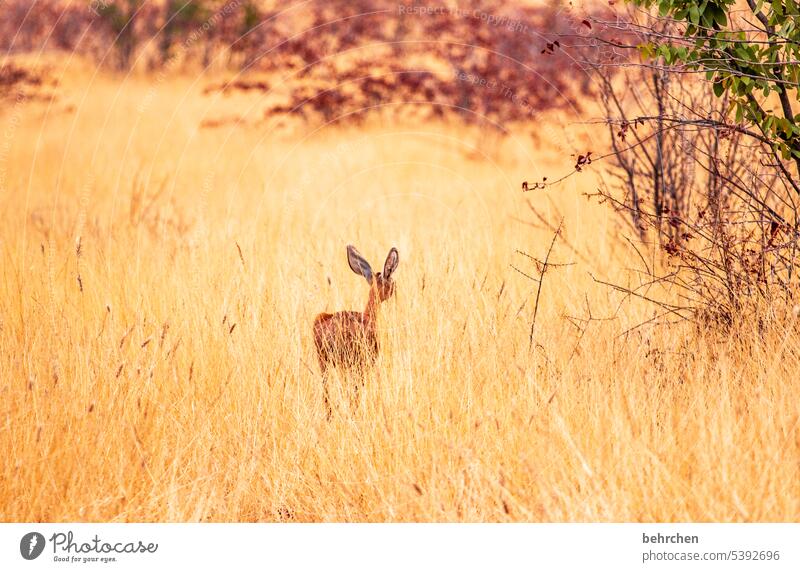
(371, 311)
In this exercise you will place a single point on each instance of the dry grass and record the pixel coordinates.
(163, 369)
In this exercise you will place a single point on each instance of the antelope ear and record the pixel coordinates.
(392, 260)
(358, 264)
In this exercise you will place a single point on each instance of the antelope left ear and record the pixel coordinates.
(392, 260)
(358, 263)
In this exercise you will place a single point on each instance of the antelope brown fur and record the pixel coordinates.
(348, 339)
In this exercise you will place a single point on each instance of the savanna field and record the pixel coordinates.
(165, 251)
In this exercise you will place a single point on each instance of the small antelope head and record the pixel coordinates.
(381, 283)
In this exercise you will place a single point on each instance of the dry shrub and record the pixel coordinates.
(700, 188)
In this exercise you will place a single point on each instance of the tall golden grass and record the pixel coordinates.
(158, 285)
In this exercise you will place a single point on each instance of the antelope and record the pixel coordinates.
(348, 339)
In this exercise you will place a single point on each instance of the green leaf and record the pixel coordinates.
(719, 89)
(694, 15)
(783, 125)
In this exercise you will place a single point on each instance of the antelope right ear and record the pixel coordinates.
(358, 264)
(392, 260)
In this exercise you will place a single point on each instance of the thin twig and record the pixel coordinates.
(541, 281)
